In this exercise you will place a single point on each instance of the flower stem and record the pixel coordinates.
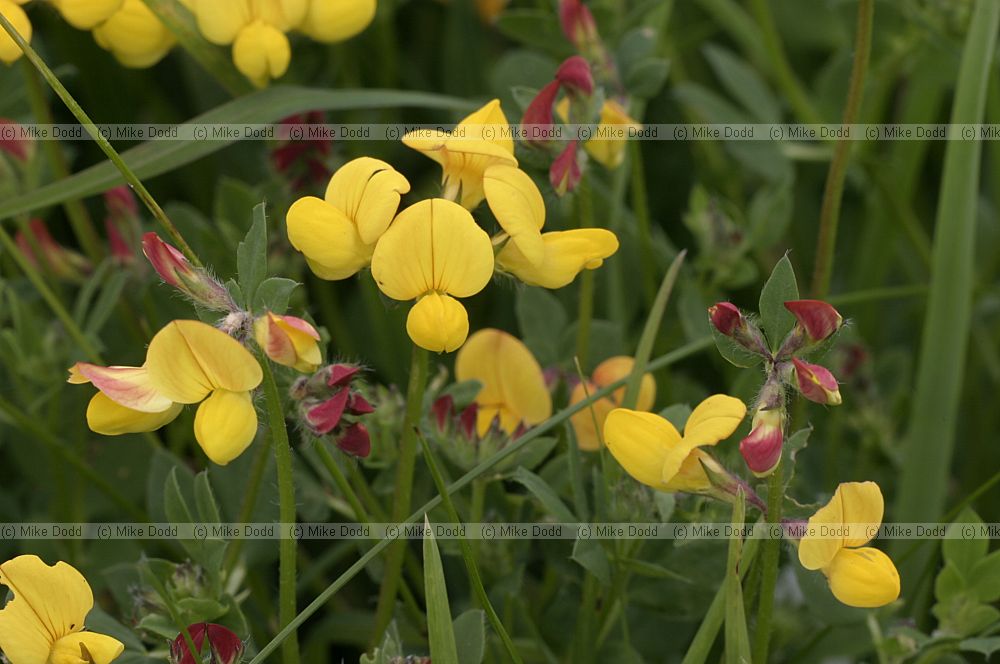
(286, 511)
(405, 466)
(770, 556)
(585, 208)
(829, 216)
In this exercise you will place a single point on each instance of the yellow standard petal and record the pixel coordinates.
(858, 503)
(511, 378)
(864, 578)
(87, 648)
(282, 14)
(134, 35)
(336, 20)
(438, 323)
(108, 418)
(9, 50)
(618, 367)
(691, 477)
(367, 191)
(221, 20)
(567, 253)
(434, 245)
(85, 14)
(643, 443)
(225, 425)
(519, 208)
(50, 602)
(327, 238)
(261, 52)
(187, 359)
(714, 419)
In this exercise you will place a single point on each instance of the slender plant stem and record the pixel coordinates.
(556, 420)
(770, 557)
(102, 142)
(585, 214)
(405, 467)
(360, 513)
(829, 217)
(286, 511)
(640, 208)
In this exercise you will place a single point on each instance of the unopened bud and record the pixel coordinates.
(537, 119)
(41, 249)
(819, 319)
(355, 440)
(726, 317)
(575, 76)
(324, 417)
(762, 448)
(175, 270)
(121, 202)
(221, 644)
(468, 419)
(289, 341)
(564, 174)
(577, 24)
(11, 142)
(816, 383)
(441, 410)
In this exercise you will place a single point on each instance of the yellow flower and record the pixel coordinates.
(609, 152)
(9, 50)
(858, 575)
(338, 234)
(607, 372)
(134, 35)
(187, 362)
(651, 450)
(433, 251)
(513, 388)
(336, 20)
(44, 622)
(519, 208)
(289, 341)
(565, 255)
(482, 139)
(256, 29)
(87, 14)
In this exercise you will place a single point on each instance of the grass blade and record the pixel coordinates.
(439, 628)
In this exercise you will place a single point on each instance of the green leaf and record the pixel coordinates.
(961, 551)
(273, 295)
(536, 28)
(156, 157)
(389, 651)
(734, 353)
(744, 83)
(769, 214)
(737, 638)
(173, 500)
(949, 584)
(590, 555)
(470, 636)
(208, 508)
(780, 288)
(251, 255)
(439, 625)
(985, 578)
(545, 494)
(646, 77)
(985, 646)
(541, 319)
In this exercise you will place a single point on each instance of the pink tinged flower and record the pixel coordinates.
(577, 23)
(564, 174)
(441, 411)
(40, 249)
(223, 646)
(121, 252)
(341, 374)
(816, 383)
(819, 319)
(355, 440)
(16, 147)
(121, 202)
(575, 76)
(325, 417)
(175, 270)
(289, 341)
(537, 119)
(762, 448)
(726, 317)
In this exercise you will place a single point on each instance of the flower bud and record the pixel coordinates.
(441, 410)
(175, 270)
(537, 120)
(223, 645)
(726, 317)
(10, 142)
(468, 419)
(564, 174)
(289, 341)
(575, 76)
(816, 383)
(120, 202)
(40, 249)
(341, 374)
(355, 440)
(819, 319)
(578, 24)
(325, 416)
(762, 448)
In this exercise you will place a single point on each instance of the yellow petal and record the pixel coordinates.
(9, 50)
(127, 386)
(336, 20)
(714, 419)
(86, 648)
(611, 152)
(584, 421)
(367, 191)
(691, 477)
(221, 20)
(567, 253)
(327, 238)
(643, 443)
(438, 323)
(434, 245)
(511, 377)
(282, 14)
(862, 503)
(614, 369)
(261, 52)
(187, 359)
(108, 418)
(85, 14)
(289, 341)
(134, 35)
(225, 425)
(50, 602)
(858, 503)
(486, 123)
(519, 208)
(864, 578)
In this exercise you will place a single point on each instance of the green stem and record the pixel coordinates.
(585, 213)
(102, 142)
(640, 208)
(286, 511)
(676, 355)
(829, 216)
(360, 513)
(405, 466)
(769, 577)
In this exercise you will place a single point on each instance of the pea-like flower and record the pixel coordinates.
(609, 152)
(434, 252)
(87, 14)
(607, 372)
(332, 21)
(652, 451)
(44, 622)
(565, 255)
(11, 9)
(834, 543)
(513, 393)
(187, 362)
(288, 340)
(224, 646)
(337, 234)
(134, 35)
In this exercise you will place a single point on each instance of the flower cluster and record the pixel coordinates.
(329, 405)
(589, 422)
(215, 644)
(433, 252)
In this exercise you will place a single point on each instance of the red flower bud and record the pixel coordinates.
(355, 440)
(11, 143)
(762, 448)
(467, 420)
(341, 374)
(819, 319)
(358, 405)
(574, 74)
(537, 120)
(564, 174)
(577, 23)
(816, 383)
(41, 249)
(223, 645)
(175, 270)
(726, 317)
(121, 202)
(441, 410)
(325, 417)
